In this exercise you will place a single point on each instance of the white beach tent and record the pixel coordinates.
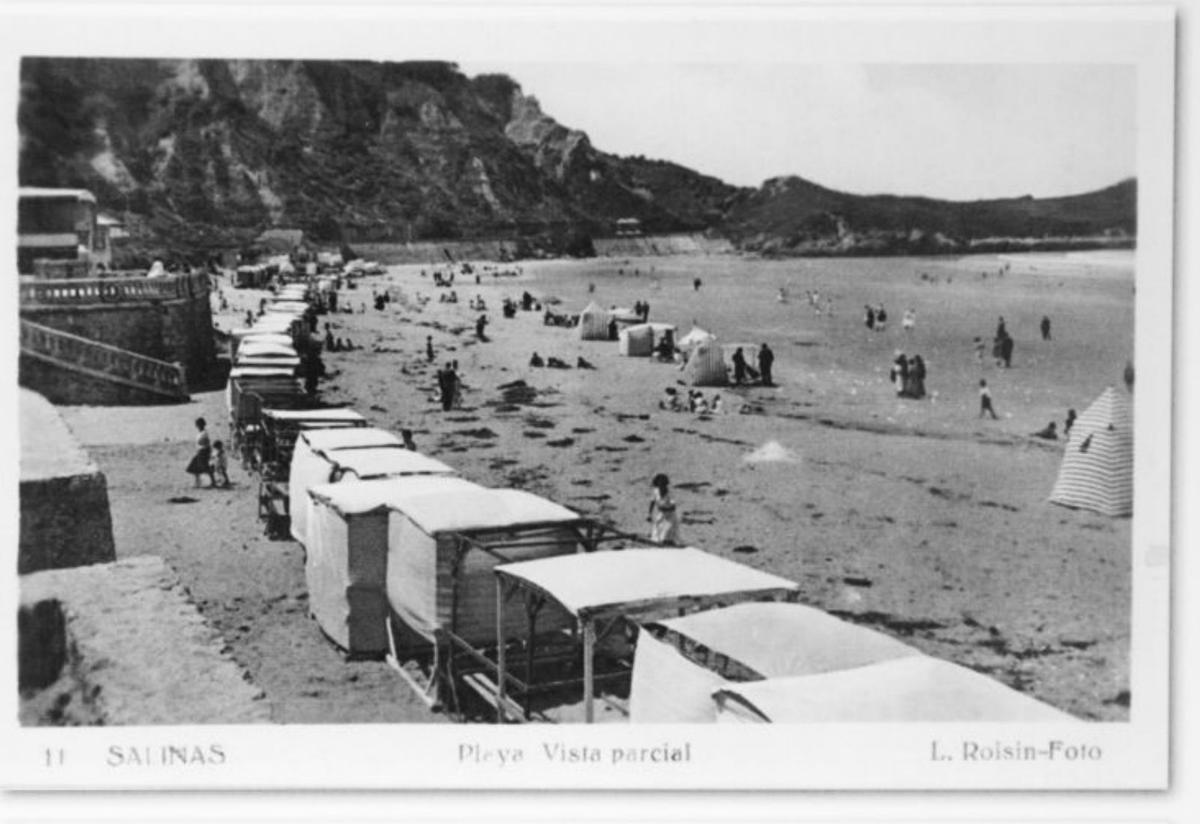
(440, 577)
(695, 336)
(346, 560)
(313, 461)
(706, 365)
(915, 689)
(767, 639)
(593, 323)
(1097, 465)
(636, 341)
(639, 341)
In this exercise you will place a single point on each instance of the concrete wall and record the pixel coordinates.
(64, 515)
(178, 330)
(122, 644)
(65, 522)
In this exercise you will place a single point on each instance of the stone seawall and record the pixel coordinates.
(169, 319)
(433, 253)
(176, 331)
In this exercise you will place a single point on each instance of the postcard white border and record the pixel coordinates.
(862, 757)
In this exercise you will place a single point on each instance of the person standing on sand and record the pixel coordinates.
(766, 359)
(739, 367)
(1069, 422)
(445, 381)
(664, 513)
(429, 348)
(980, 349)
(1006, 350)
(201, 462)
(985, 400)
(1045, 327)
(899, 372)
(870, 317)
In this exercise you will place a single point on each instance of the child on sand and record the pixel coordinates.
(985, 400)
(220, 465)
(664, 513)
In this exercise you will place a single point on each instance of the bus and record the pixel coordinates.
(56, 225)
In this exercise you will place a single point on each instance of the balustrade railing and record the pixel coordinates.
(100, 358)
(63, 292)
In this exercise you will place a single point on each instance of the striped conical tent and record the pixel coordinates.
(1097, 468)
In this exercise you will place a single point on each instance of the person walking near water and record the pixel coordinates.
(766, 359)
(1045, 327)
(201, 462)
(985, 400)
(664, 513)
(739, 367)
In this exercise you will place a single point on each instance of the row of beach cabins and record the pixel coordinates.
(498, 604)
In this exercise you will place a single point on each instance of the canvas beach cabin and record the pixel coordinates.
(346, 555)
(1097, 465)
(600, 595)
(706, 365)
(443, 546)
(681, 661)
(323, 456)
(915, 689)
(640, 340)
(593, 322)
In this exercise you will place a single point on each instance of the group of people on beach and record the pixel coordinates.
(449, 386)
(695, 402)
(875, 317)
(745, 373)
(336, 344)
(908, 375)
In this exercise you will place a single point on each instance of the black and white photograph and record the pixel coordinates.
(591, 401)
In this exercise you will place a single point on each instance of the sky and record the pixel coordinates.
(958, 132)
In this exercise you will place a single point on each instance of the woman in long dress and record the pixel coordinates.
(201, 462)
(664, 513)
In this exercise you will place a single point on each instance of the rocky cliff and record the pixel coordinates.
(211, 150)
(203, 153)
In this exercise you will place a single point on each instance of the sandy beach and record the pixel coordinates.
(914, 517)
